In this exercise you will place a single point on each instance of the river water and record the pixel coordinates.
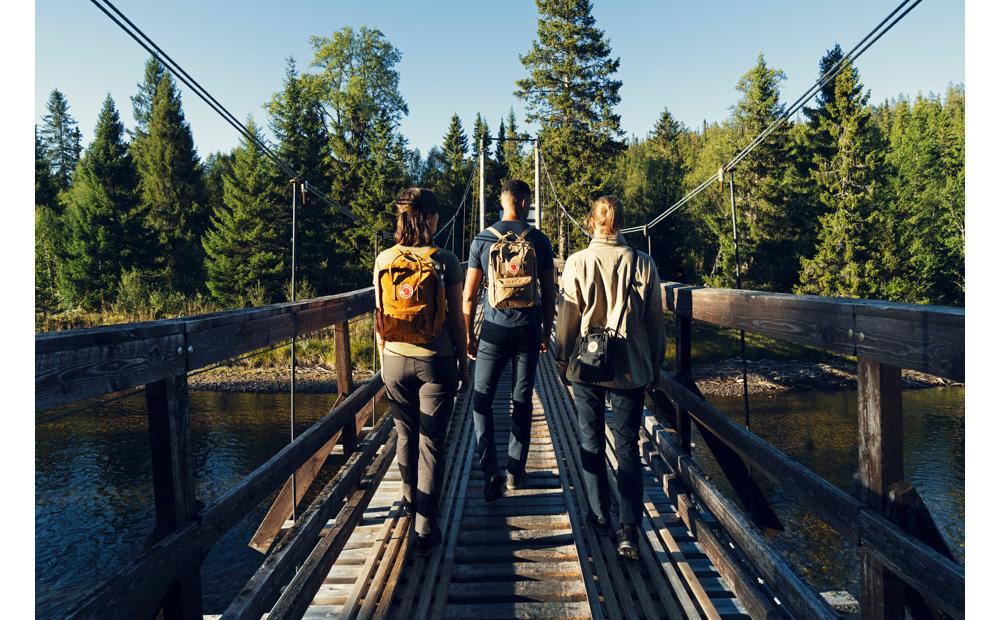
(94, 506)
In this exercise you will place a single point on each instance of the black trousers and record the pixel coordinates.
(421, 395)
(626, 416)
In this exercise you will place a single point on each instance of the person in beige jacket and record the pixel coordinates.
(607, 286)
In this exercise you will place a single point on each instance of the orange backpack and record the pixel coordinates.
(411, 296)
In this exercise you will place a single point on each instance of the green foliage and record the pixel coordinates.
(46, 191)
(104, 232)
(246, 245)
(142, 100)
(60, 140)
(359, 83)
(173, 191)
(571, 93)
(48, 242)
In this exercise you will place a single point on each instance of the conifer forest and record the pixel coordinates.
(853, 197)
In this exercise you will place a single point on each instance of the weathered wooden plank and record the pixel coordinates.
(262, 589)
(880, 464)
(281, 509)
(173, 483)
(828, 502)
(70, 375)
(516, 570)
(930, 573)
(345, 381)
(294, 600)
(539, 591)
(230, 508)
(794, 593)
(926, 338)
(519, 611)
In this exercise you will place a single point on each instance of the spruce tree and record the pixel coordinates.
(104, 233)
(499, 154)
(457, 167)
(845, 262)
(61, 139)
(45, 187)
(48, 240)
(173, 191)
(298, 123)
(247, 246)
(382, 176)
(142, 101)
(571, 93)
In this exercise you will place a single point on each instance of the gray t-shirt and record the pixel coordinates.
(479, 258)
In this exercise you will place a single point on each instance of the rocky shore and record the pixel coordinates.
(719, 379)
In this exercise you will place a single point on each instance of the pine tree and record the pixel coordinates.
(217, 166)
(61, 139)
(457, 168)
(382, 175)
(823, 143)
(297, 122)
(503, 172)
(173, 191)
(48, 240)
(104, 233)
(247, 246)
(845, 263)
(142, 101)
(45, 187)
(571, 94)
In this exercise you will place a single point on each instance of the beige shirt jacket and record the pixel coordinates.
(593, 294)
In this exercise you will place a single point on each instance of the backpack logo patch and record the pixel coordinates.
(406, 290)
(513, 267)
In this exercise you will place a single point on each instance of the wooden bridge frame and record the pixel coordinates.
(78, 364)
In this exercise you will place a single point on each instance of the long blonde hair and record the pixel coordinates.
(606, 216)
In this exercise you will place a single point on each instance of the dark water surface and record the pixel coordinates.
(820, 430)
(93, 488)
(94, 505)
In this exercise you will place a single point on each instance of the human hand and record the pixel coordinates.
(472, 347)
(562, 366)
(544, 345)
(463, 375)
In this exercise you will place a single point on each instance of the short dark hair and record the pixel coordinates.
(416, 206)
(516, 188)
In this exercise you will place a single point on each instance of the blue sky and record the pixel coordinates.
(463, 57)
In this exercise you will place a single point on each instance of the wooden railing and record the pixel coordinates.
(75, 365)
(897, 566)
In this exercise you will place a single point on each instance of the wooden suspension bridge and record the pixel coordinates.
(528, 555)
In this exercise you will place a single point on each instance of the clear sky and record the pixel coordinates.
(463, 56)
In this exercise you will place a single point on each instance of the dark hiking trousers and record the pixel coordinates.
(499, 346)
(626, 416)
(421, 395)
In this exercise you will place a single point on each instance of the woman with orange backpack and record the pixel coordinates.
(422, 342)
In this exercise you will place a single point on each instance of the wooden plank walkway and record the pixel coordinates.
(529, 554)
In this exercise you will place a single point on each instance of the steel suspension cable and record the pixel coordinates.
(555, 197)
(860, 48)
(147, 43)
(461, 205)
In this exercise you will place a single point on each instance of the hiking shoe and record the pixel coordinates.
(515, 480)
(425, 544)
(600, 525)
(628, 542)
(493, 489)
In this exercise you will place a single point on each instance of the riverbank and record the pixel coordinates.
(718, 379)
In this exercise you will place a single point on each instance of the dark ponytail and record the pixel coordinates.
(417, 207)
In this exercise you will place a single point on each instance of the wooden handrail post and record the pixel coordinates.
(173, 483)
(880, 464)
(345, 380)
(682, 366)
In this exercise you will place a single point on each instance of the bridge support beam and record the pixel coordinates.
(880, 464)
(173, 483)
(345, 381)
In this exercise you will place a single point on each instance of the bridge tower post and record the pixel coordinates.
(173, 484)
(880, 464)
(482, 183)
(538, 185)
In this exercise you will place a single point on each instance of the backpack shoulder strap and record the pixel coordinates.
(524, 233)
(495, 233)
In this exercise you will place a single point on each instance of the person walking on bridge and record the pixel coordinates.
(421, 340)
(610, 344)
(517, 263)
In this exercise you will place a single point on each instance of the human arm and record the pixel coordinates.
(655, 325)
(456, 327)
(570, 318)
(470, 299)
(547, 280)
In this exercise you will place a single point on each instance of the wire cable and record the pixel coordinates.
(140, 37)
(866, 42)
(461, 205)
(555, 197)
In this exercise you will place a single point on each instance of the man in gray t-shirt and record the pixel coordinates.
(515, 335)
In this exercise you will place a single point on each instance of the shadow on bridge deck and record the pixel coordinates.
(527, 555)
